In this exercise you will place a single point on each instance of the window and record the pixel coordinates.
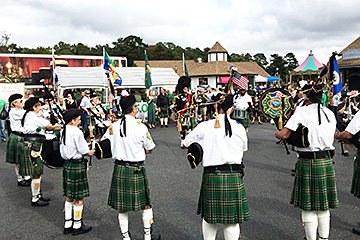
(203, 81)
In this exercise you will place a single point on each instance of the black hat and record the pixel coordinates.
(313, 91)
(127, 102)
(87, 91)
(71, 114)
(31, 102)
(183, 81)
(14, 97)
(93, 95)
(227, 103)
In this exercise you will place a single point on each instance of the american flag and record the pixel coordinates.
(239, 80)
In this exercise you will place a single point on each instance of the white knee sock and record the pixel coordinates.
(161, 121)
(19, 177)
(77, 216)
(68, 214)
(166, 121)
(35, 189)
(124, 225)
(324, 223)
(147, 217)
(231, 231)
(209, 230)
(310, 221)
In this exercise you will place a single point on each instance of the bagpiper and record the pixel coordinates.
(314, 190)
(130, 143)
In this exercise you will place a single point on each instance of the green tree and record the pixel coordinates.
(131, 47)
(277, 65)
(261, 60)
(291, 61)
(234, 57)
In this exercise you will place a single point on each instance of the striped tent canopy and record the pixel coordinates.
(311, 63)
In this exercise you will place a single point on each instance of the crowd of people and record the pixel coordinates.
(209, 117)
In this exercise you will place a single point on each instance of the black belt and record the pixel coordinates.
(128, 163)
(317, 155)
(226, 168)
(34, 137)
(75, 160)
(17, 133)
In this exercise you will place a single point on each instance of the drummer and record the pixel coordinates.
(242, 102)
(98, 115)
(75, 184)
(31, 164)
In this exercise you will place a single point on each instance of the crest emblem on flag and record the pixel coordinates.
(274, 101)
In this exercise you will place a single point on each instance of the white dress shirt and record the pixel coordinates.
(75, 144)
(218, 148)
(321, 137)
(15, 116)
(132, 146)
(354, 124)
(241, 102)
(32, 122)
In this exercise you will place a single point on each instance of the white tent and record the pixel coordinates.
(132, 77)
(259, 78)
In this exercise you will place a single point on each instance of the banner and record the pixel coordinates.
(7, 89)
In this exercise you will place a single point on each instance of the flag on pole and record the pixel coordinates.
(110, 66)
(185, 70)
(335, 75)
(148, 82)
(239, 80)
(52, 67)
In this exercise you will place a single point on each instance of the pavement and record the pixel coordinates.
(174, 189)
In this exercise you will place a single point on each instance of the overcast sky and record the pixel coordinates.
(241, 26)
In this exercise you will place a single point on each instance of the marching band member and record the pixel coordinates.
(75, 184)
(243, 102)
(314, 190)
(222, 195)
(13, 153)
(163, 104)
(184, 101)
(129, 145)
(31, 164)
(98, 115)
(350, 131)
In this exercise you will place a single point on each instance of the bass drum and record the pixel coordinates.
(51, 153)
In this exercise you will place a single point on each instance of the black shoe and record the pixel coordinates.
(155, 236)
(39, 203)
(278, 142)
(346, 154)
(356, 231)
(162, 126)
(24, 183)
(166, 126)
(83, 229)
(68, 230)
(44, 199)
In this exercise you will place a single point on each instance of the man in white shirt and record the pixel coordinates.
(130, 143)
(351, 132)
(85, 103)
(223, 149)
(314, 190)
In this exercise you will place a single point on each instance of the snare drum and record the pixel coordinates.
(51, 152)
(240, 114)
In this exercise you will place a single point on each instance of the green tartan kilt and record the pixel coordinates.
(314, 185)
(129, 190)
(223, 199)
(28, 165)
(246, 121)
(75, 182)
(355, 185)
(13, 153)
(164, 112)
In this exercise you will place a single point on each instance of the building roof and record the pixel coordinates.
(350, 62)
(310, 63)
(215, 68)
(217, 48)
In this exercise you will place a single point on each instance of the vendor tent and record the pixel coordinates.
(272, 79)
(132, 77)
(259, 78)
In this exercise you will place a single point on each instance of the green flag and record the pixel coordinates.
(185, 70)
(148, 82)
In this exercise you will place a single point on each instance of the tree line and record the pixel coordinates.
(132, 47)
